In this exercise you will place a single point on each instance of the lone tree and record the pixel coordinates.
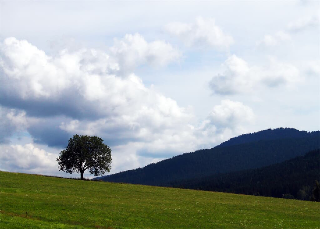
(85, 152)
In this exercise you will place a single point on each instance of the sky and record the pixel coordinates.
(153, 79)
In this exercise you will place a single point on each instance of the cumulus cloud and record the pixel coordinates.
(304, 23)
(276, 39)
(203, 32)
(282, 36)
(40, 84)
(238, 77)
(234, 79)
(80, 92)
(77, 86)
(146, 115)
(134, 50)
(230, 114)
(27, 158)
(11, 121)
(313, 68)
(226, 120)
(276, 74)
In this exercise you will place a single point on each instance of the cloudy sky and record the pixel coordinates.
(154, 79)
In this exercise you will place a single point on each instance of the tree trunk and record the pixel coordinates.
(81, 172)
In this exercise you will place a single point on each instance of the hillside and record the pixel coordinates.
(33, 201)
(294, 178)
(264, 135)
(280, 145)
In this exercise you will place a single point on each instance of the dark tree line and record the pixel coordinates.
(296, 178)
(316, 192)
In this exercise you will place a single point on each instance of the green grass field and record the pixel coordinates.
(32, 201)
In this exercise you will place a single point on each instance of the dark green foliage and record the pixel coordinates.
(287, 196)
(304, 193)
(85, 153)
(250, 151)
(290, 179)
(316, 192)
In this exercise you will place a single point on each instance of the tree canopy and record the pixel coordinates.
(85, 153)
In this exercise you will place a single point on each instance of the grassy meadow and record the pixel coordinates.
(33, 201)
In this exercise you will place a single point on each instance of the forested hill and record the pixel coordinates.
(294, 178)
(223, 159)
(264, 135)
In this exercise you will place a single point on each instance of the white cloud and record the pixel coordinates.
(79, 92)
(230, 114)
(11, 121)
(39, 76)
(234, 79)
(283, 36)
(304, 23)
(276, 39)
(140, 117)
(27, 158)
(276, 74)
(203, 32)
(82, 85)
(226, 120)
(134, 50)
(239, 77)
(313, 68)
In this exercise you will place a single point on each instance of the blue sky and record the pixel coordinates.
(154, 79)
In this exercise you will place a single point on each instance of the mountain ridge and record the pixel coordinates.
(268, 134)
(230, 156)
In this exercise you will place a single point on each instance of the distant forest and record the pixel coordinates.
(294, 178)
(254, 158)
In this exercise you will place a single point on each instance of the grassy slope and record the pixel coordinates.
(31, 201)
